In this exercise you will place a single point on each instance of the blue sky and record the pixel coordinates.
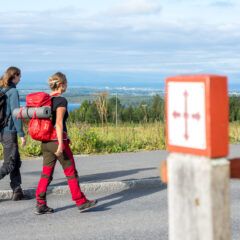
(135, 43)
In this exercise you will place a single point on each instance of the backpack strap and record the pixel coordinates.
(56, 95)
(2, 93)
(10, 115)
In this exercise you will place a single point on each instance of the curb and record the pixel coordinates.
(94, 187)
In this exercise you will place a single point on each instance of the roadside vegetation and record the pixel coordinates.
(90, 139)
(94, 130)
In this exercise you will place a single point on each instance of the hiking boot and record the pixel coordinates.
(19, 195)
(87, 205)
(43, 209)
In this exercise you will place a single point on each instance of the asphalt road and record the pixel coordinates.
(95, 168)
(139, 214)
(130, 214)
(101, 168)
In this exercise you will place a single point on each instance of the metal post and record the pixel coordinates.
(116, 109)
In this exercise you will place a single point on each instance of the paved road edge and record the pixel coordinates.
(94, 187)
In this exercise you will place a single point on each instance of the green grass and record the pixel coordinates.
(234, 132)
(92, 139)
(111, 139)
(87, 139)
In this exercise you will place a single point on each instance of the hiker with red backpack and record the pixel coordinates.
(57, 147)
(9, 128)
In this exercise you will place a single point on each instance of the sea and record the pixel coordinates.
(120, 91)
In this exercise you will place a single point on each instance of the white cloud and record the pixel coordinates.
(222, 4)
(131, 39)
(132, 7)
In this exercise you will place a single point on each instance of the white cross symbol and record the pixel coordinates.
(186, 114)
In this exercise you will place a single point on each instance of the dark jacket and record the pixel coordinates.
(12, 102)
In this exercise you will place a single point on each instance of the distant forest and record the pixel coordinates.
(234, 108)
(104, 110)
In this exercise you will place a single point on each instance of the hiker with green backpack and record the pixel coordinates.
(10, 127)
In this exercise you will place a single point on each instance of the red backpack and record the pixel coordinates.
(41, 129)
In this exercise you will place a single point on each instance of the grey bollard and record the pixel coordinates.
(27, 112)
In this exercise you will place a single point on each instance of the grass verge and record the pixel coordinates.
(90, 139)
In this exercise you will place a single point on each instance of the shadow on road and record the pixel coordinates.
(126, 195)
(105, 176)
(119, 197)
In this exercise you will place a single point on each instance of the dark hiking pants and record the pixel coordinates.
(67, 161)
(12, 162)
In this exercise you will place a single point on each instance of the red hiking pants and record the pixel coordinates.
(67, 161)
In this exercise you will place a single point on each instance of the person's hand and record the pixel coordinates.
(23, 141)
(59, 151)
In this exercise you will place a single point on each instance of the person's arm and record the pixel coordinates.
(59, 128)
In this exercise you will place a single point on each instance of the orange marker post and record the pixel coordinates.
(163, 171)
(235, 168)
(197, 170)
(197, 115)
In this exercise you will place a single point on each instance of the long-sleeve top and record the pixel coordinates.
(12, 101)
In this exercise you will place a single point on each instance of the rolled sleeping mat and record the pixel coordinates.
(27, 112)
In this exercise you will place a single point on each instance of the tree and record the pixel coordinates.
(92, 115)
(112, 109)
(157, 109)
(101, 104)
(234, 107)
(82, 110)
